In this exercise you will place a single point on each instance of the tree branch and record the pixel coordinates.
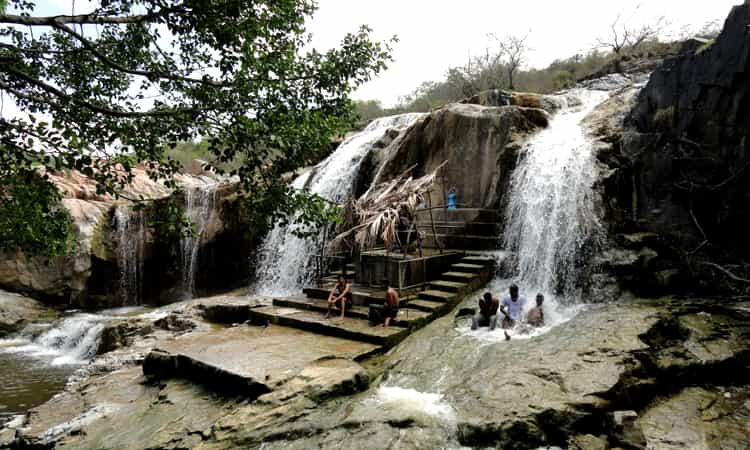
(91, 106)
(725, 271)
(87, 19)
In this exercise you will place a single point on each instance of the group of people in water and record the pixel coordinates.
(490, 308)
(511, 308)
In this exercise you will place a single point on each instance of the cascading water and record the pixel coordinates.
(285, 261)
(73, 340)
(131, 239)
(551, 215)
(200, 203)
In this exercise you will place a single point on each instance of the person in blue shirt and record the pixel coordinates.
(512, 307)
(452, 198)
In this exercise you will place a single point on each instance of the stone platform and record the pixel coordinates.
(248, 361)
(272, 340)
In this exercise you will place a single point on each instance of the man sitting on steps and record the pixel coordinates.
(340, 295)
(383, 314)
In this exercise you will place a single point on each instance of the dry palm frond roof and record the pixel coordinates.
(377, 212)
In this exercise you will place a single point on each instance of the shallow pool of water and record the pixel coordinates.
(28, 382)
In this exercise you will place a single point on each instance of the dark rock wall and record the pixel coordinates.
(680, 168)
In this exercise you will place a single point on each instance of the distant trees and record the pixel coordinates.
(512, 50)
(624, 37)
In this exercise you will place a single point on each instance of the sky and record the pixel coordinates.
(437, 34)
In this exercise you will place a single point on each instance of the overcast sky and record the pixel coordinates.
(437, 34)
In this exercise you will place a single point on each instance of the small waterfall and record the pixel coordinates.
(284, 264)
(72, 340)
(200, 202)
(550, 215)
(131, 239)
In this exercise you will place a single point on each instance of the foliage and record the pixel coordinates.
(30, 215)
(167, 219)
(125, 81)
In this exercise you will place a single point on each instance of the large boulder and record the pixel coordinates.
(480, 144)
(17, 311)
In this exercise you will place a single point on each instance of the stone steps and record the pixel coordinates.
(447, 286)
(436, 296)
(426, 305)
(466, 267)
(460, 215)
(461, 228)
(469, 242)
(313, 321)
(405, 318)
(461, 277)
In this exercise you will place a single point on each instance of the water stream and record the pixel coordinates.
(200, 203)
(37, 362)
(130, 228)
(285, 261)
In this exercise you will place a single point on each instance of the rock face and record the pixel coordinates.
(680, 167)
(479, 142)
(92, 275)
(16, 311)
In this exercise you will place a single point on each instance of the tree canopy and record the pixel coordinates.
(107, 88)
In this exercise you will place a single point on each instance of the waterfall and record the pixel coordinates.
(74, 339)
(285, 261)
(200, 202)
(131, 239)
(550, 216)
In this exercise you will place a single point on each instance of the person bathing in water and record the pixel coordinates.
(535, 317)
(340, 295)
(487, 315)
(512, 307)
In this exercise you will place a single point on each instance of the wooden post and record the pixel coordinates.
(432, 222)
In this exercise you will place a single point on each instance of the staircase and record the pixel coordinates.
(464, 228)
(307, 312)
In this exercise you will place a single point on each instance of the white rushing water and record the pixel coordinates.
(72, 340)
(551, 210)
(285, 262)
(131, 241)
(200, 202)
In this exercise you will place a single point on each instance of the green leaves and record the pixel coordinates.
(31, 217)
(125, 81)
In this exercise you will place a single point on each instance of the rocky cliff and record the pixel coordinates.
(678, 169)
(480, 139)
(93, 274)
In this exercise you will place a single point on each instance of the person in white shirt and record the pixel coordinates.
(512, 307)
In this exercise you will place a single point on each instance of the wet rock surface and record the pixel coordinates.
(17, 311)
(615, 375)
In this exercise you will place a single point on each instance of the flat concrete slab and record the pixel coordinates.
(250, 358)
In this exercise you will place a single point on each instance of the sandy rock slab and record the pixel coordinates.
(17, 311)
